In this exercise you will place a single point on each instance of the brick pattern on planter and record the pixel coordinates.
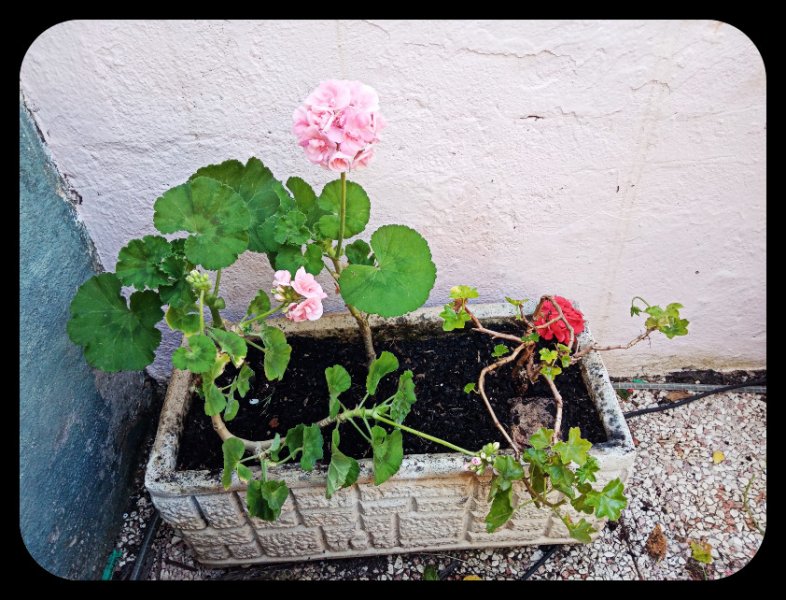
(398, 516)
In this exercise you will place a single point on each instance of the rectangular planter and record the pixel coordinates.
(432, 503)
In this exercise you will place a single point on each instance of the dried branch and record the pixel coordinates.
(558, 417)
(584, 351)
(495, 334)
(482, 389)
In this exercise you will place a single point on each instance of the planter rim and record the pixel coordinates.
(163, 479)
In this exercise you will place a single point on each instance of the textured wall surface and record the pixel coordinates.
(596, 160)
(79, 432)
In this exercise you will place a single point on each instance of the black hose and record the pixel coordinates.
(141, 556)
(662, 407)
(539, 563)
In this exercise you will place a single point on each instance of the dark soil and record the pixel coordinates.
(709, 377)
(442, 363)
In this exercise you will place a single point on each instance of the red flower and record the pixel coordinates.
(558, 330)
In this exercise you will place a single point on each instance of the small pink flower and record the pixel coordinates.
(340, 162)
(282, 278)
(310, 309)
(308, 287)
(476, 460)
(363, 158)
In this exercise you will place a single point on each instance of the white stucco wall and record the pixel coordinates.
(596, 160)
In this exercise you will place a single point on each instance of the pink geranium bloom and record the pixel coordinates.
(338, 124)
(282, 278)
(308, 287)
(310, 309)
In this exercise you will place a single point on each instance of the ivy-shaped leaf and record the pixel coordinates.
(140, 262)
(253, 182)
(357, 213)
(338, 382)
(501, 510)
(586, 472)
(470, 387)
(452, 319)
(265, 499)
(359, 253)
(233, 450)
(575, 449)
(463, 292)
(404, 397)
(199, 355)
(580, 531)
(343, 470)
(213, 213)
(381, 366)
(388, 453)
(402, 279)
(500, 350)
(610, 501)
(541, 438)
(115, 336)
(277, 352)
(231, 343)
(561, 477)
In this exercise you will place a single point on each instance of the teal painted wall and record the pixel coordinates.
(79, 431)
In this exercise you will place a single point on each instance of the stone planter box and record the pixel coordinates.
(432, 503)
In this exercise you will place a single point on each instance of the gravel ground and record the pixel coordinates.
(676, 484)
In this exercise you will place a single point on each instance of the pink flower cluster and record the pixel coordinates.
(304, 284)
(338, 124)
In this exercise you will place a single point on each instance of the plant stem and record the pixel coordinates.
(263, 315)
(202, 312)
(218, 282)
(218, 322)
(425, 436)
(342, 215)
(360, 431)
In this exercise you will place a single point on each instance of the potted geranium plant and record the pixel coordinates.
(290, 505)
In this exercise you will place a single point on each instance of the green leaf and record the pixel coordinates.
(575, 449)
(215, 215)
(233, 450)
(253, 182)
(548, 356)
(305, 200)
(550, 372)
(508, 468)
(230, 412)
(359, 253)
(277, 352)
(338, 381)
(536, 456)
(609, 502)
(701, 551)
(537, 478)
(634, 310)
(541, 438)
(381, 366)
(470, 387)
(501, 510)
(532, 337)
(242, 382)
(231, 343)
(259, 305)
(453, 320)
(216, 368)
(312, 447)
(199, 355)
(178, 292)
(291, 228)
(580, 531)
(291, 258)
(275, 447)
(586, 472)
(244, 473)
(388, 453)
(561, 477)
(357, 213)
(215, 401)
(404, 397)
(513, 301)
(402, 280)
(183, 318)
(115, 337)
(500, 350)
(463, 292)
(139, 263)
(265, 499)
(293, 440)
(343, 470)
(430, 573)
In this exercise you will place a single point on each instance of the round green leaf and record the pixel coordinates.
(291, 258)
(213, 212)
(402, 279)
(305, 200)
(199, 355)
(140, 262)
(115, 337)
(358, 209)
